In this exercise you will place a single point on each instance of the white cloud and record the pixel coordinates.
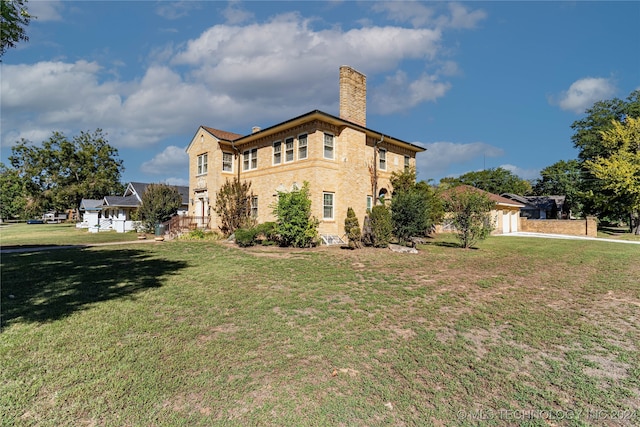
(176, 10)
(228, 75)
(171, 159)
(440, 156)
(45, 11)
(398, 93)
(584, 92)
(419, 15)
(527, 174)
(234, 14)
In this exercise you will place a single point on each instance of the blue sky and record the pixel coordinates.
(479, 84)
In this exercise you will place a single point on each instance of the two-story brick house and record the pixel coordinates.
(335, 155)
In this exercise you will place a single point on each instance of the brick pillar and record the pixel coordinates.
(353, 96)
(591, 226)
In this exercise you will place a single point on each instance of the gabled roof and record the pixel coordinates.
(328, 118)
(538, 202)
(121, 201)
(499, 200)
(222, 134)
(305, 118)
(90, 205)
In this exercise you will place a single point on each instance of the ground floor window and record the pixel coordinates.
(254, 206)
(327, 205)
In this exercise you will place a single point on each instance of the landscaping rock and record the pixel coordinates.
(403, 249)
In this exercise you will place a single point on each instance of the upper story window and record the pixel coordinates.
(277, 152)
(227, 162)
(383, 159)
(407, 162)
(202, 164)
(250, 159)
(328, 145)
(288, 145)
(302, 146)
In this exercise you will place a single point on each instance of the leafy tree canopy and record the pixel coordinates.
(295, 225)
(12, 200)
(14, 18)
(159, 203)
(562, 178)
(599, 199)
(620, 171)
(496, 181)
(61, 172)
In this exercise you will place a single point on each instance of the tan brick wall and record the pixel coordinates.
(346, 176)
(578, 227)
(353, 96)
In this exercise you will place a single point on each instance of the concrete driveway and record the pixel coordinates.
(565, 236)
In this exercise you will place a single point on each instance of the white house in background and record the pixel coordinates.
(90, 210)
(115, 211)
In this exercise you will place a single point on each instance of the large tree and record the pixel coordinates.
(60, 172)
(599, 199)
(14, 18)
(495, 180)
(562, 178)
(12, 200)
(620, 171)
(159, 203)
(415, 206)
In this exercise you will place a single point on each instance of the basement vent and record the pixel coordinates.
(329, 239)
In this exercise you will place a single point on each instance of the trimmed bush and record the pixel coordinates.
(352, 229)
(380, 224)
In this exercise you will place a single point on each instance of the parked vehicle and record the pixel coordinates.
(35, 221)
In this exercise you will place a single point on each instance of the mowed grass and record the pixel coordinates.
(518, 332)
(26, 235)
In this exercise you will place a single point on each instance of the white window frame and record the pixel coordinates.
(229, 162)
(330, 206)
(289, 150)
(303, 146)
(332, 146)
(369, 203)
(203, 163)
(250, 159)
(407, 162)
(277, 152)
(254, 207)
(382, 159)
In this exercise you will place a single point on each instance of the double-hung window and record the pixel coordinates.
(302, 146)
(254, 207)
(227, 162)
(383, 159)
(250, 159)
(328, 145)
(369, 203)
(288, 145)
(327, 205)
(407, 162)
(277, 152)
(202, 164)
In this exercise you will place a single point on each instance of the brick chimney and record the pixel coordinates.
(353, 96)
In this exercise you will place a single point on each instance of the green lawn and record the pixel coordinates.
(519, 332)
(23, 235)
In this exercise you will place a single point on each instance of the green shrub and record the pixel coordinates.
(352, 229)
(295, 226)
(380, 226)
(233, 206)
(245, 237)
(267, 232)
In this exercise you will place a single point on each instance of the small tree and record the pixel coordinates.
(295, 225)
(352, 229)
(380, 226)
(471, 210)
(233, 206)
(159, 203)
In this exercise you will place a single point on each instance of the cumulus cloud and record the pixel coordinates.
(418, 14)
(268, 71)
(584, 92)
(45, 11)
(170, 160)
(398, 93)
(441, 156)
(522, 173)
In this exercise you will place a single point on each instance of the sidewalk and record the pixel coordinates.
(566, 236)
